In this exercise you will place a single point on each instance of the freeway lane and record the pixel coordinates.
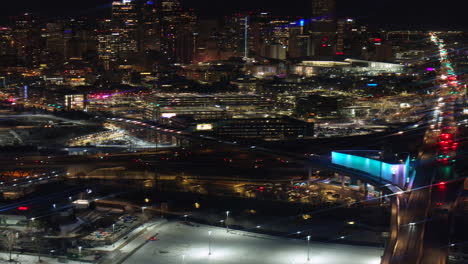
(422, 228)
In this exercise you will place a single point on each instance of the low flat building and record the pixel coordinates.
(162, 114)
(348, 66)
(269, 128)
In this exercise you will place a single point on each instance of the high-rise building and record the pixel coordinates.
(323, 9)
(178, 38)
(300, 44)
(54, 36)
(7, 44)
(126, 23)
(80, 38)
(151, 26)
(26, 35)
(323, 27)
(108, 43)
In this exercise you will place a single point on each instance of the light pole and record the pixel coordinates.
(209, 242)
(308, 248)
(79, 253)
(226, 222)
(143, 209)
(185, 218)
(113, 236)
(38, 253)
(183, 259)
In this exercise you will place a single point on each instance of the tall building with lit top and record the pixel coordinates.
(126, 23)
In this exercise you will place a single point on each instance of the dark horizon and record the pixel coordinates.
(397, 14)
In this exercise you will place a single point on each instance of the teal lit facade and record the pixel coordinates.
(388, 172)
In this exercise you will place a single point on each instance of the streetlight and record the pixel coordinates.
(308, 248)
(185, 218)
(79, 253)
(226, 222)
(183, 259)
(209, 242)
(113, 236)
(143, 209)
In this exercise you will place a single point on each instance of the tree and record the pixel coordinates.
(10, 241)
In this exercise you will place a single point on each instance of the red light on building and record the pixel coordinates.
(377, 40)
(339, 53)
(442, 183)
(23, 208)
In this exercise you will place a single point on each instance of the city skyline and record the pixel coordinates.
(387, 14)
(233, 132)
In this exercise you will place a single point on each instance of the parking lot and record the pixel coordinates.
(180, 243)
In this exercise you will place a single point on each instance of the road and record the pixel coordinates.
(180, 243)
(421, 229)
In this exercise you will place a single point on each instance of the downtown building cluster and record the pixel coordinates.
(123, 63)
(142, 32)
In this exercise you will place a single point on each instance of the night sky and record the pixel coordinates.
(402, 14)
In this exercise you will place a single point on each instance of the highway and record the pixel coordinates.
(421, 228)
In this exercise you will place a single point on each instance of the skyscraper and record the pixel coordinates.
(323, 9)
(125, 21)
(323, 26)
(177, 32)
(151, 26)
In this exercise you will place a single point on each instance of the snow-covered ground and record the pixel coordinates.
(28, 259)
(179, 243)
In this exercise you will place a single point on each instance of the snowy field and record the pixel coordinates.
(179, 243)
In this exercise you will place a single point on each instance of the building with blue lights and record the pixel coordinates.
(389, 171)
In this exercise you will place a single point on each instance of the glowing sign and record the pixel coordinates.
(204, 127)
(371, 84)
(23, 208)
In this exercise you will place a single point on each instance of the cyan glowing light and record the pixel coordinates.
(395, 173)
(371, 84)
